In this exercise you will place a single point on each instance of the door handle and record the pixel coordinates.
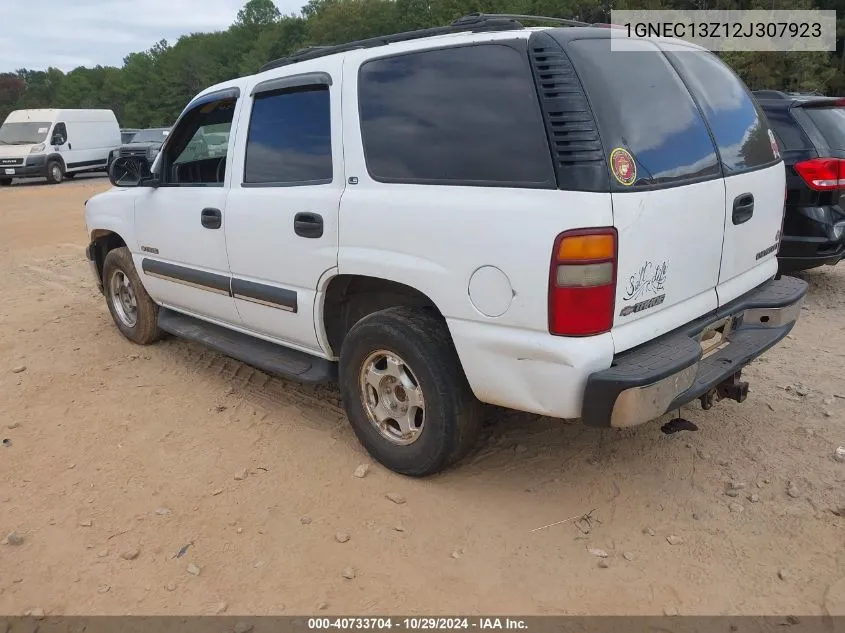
(211, 218)
(743, 208)
(308, 225)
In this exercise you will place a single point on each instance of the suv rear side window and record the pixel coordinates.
(831, 124)
(642, 105)
(787, 130)
(739, 127)
(289, 140)
(459, 116)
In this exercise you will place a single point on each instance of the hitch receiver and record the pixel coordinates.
(733, 388)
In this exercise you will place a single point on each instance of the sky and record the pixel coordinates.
(65, 34)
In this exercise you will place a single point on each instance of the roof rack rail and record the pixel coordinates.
(474, 22)
(770, 94)
(470, 18)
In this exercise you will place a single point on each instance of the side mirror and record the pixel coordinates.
(130, 171)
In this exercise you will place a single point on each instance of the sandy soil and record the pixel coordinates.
(115, 450)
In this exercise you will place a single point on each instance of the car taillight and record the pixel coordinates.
(822, 174)
(582, 282)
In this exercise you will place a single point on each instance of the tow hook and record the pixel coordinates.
(732, 389)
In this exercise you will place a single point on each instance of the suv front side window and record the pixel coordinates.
(196, 150)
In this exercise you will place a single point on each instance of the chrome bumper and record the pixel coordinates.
(662, 375)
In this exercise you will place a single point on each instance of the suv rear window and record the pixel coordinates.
(740, 129)
(831, 124)
(642, 105)
(458, 116)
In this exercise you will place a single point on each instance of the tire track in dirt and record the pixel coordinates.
(249, 389)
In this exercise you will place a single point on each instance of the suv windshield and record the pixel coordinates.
(831, 123)
(150, 136)
(25, 133)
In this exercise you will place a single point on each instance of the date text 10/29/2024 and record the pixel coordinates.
(418, 623)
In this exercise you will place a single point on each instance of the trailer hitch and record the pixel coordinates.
(731, 388)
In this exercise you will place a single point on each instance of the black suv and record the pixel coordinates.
(810, 130)
(146, 143)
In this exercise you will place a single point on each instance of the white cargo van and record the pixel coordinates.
(56, 144)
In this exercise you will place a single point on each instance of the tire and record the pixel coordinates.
(450, 420)
(5, 182)
(55, 172)
(139, 326)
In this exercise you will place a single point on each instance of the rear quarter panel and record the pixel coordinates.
(482, 255)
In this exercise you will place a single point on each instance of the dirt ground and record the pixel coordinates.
(123, 466)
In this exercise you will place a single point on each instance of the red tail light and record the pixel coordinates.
(822, 174)
(582, 282)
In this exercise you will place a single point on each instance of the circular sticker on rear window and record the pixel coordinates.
(623, 166)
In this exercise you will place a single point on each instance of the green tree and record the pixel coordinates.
(258, 13)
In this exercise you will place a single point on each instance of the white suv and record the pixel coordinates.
(481, 212)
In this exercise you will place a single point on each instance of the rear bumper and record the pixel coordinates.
(803, 253)
(812, 236)
(646, 382)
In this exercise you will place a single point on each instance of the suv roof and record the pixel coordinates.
(472, 23)
(469, 28)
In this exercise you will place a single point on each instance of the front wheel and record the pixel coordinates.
(134, 313)
(5, 182)
(55, 172)
(405, 392)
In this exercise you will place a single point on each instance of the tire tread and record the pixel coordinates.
(423, 335)
(146, 329)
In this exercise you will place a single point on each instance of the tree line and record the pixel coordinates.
(153, 86)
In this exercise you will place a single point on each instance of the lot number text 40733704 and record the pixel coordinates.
(418, 623)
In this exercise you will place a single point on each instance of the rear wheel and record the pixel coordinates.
(55, 172)
(405, 392)
(134, 313)
(5, 182)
